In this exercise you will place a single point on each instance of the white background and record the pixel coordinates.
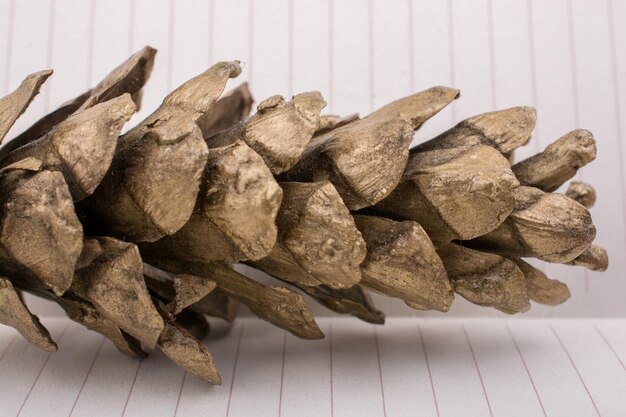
(565, 57)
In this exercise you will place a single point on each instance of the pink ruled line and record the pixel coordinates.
(370, 52)
(250, 41)
(480, 377)
(571, 360)
(572, 52)
(290, 58)
(9, 54)
(170, 46)
(533, 67)
(533, 79)
(532, 382)
(380, 373)
(132, 385)
(232, 381)
(90, 41)
(80, 391)
(492, 55)
(452, 59)
(50, 46)
(13, 339)
(131, 26)
(575, 98)
(330, 348)
(411, 45)
(610, 346)
(180, 393)
(618, 110)
(282, 375)
(331, 65)
(40, 372)
(211, 34)
(430, 375)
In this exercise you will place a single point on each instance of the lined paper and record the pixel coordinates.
(565, 57)
(425, 367)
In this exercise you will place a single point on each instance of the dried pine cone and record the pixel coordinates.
(134, 235)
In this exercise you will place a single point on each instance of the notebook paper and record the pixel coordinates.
(567, 58)
(409, 367)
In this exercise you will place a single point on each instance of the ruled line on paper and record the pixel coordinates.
(533, 82)
(50, 48)
(250, 66)
(606, 341)
(331, 22)
(43, 366)
(575, 93)
(533, 68)
(430, 376)
(9, 52)
(411, 45)
(571, 360)
(232, 381)
(370, 53)
(530, 378)
(95, 357)
(90, 42)
(13, 339)
(211, 34)
(380, 373)
(33, 384)
(618, 109)
(480, 376)
(290, 32)
(282, 374)
(492, 55)
(451, 57)
(330, 347)
(170, 46)
(180, 393)
(573, 63)
(132, 385)
(132, 5)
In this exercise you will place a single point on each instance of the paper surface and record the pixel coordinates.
(565, 57)
(409, 367)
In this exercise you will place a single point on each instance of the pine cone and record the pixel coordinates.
(134, 235)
